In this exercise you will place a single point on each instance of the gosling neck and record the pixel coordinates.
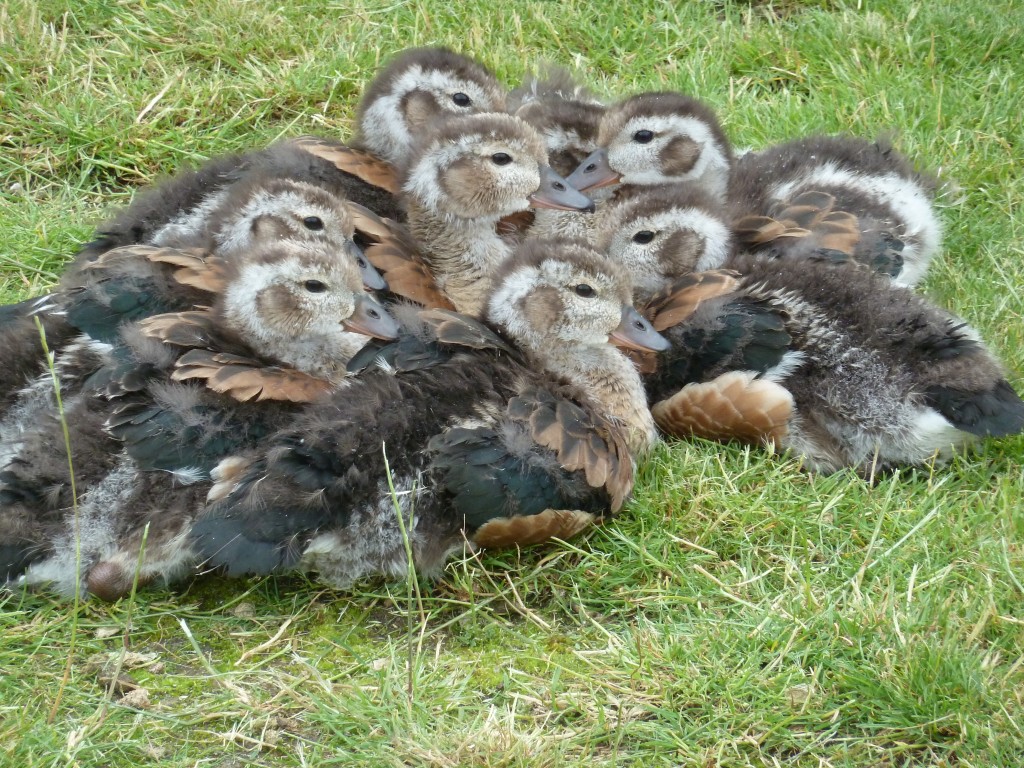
(462, 254)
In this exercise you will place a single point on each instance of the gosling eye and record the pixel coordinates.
(315, 286)
(314, 223)
(585, 291)
(643, 237)
(461, 99)
(643, 136)
(501, 158)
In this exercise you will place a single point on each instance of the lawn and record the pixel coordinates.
(738, 613)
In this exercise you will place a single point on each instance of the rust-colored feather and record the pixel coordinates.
(195, 328)
(245, 379)
(734, 406)
(809, 215)
(368, 223)
(195, 267)
(364, 165)
(682, 297)
(581, 441)
(533, 529)
(395, 255)
(406, 274)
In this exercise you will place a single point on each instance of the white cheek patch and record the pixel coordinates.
(423, 182)
(715, 233)
(640, 164)
(503, 308)
(383, 126)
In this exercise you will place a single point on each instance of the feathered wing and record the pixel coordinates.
(363, 165)
(398, 259)
(549, 468)
(246, 379)
(509, 462)
(813, 225)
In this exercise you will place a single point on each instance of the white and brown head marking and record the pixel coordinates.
(291, 291)
(482, 166)
(662, 233)
(558, 292)
(415, 87)
(266, 210)
(658, 138)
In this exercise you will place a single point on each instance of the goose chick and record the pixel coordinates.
(416, 85)
(502, 432)
(820, 175)
(659, 138)
(132, 282)
(180, 391)
(567, 116)
(663, 232)
(128, 283)
(466, 175)
(836, 364)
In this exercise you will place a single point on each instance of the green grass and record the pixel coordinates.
(739, 613)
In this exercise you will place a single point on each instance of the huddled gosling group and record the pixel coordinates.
(464, 329)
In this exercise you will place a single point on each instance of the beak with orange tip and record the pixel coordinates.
(594, 172)
(555, 192)
(371, 319)
(635, 332)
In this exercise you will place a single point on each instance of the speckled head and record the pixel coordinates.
(258, 211)
(558, 292)
(294, 293)
(416, 86)
(658, 138)
(569, 129)
(662, 232)
(479, 167)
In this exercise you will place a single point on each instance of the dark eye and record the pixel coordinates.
(315, 286)
(585, 291)
(643, 237)
(314, 223)
(643, 136)
(361, 262)
(460, 99)
(501, 158)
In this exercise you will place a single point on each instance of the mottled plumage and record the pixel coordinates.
(844, 193)
(283, 312)
(462, 178)
(497, 433)
(659, 138)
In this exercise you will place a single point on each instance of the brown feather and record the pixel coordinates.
(734, 406)
(363, 165)
(124, 253)
(396, 256)
(533, 529)
(515, 226)
(811, 214)
(245, 379)
(182, 329)
(195, 267)
(369, 223)
(581, 441)
(453, 328)
(677, 302)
